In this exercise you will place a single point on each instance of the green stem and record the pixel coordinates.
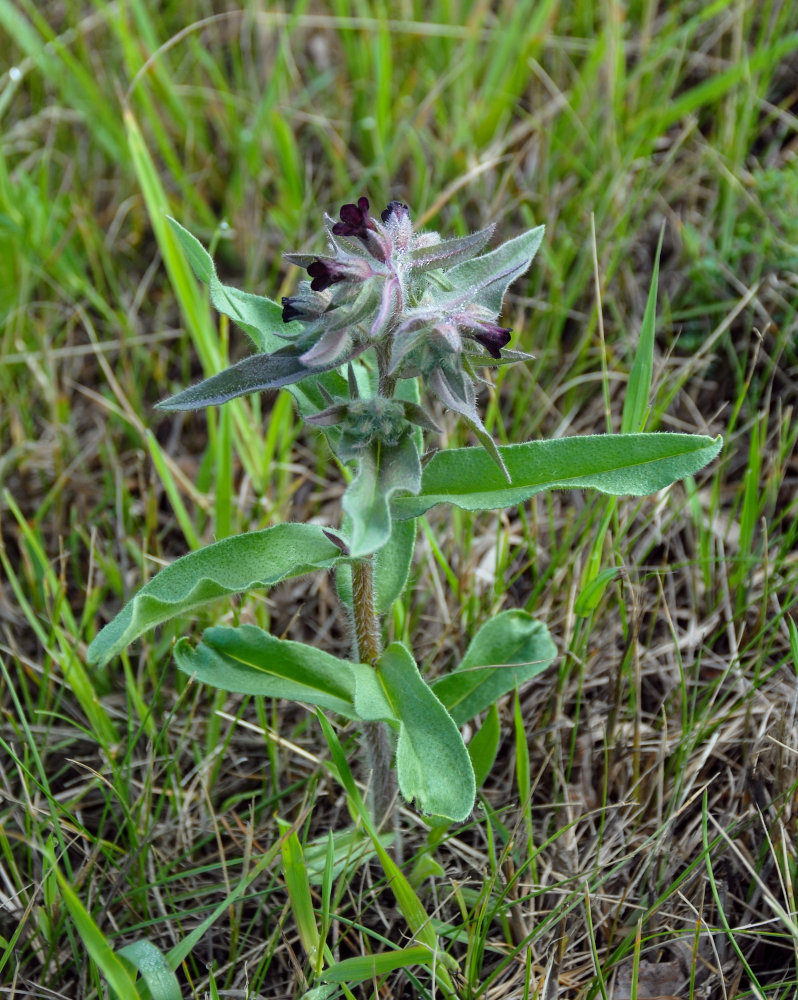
(386, 384)
(376, 735)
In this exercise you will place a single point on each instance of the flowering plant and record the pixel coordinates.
(399, 311)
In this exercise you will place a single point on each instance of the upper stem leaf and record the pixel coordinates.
(618, 464)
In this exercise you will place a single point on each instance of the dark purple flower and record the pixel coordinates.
(492, 337)
(325, 273)
(355, 221)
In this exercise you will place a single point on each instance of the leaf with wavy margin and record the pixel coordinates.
(618, 464)
(231, 566)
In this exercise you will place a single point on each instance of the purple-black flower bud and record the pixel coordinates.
(327, 271)
(304, 305)
(396, 218)
(395, 211)
(291, 309)
(493, 337)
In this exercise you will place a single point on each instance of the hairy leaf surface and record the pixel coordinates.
(260, 317)
(507, 651)
(484, 280)
(249, 660)
(231, 566)
(382, 471)
(253, 374)
(631, 464)
(432, 763)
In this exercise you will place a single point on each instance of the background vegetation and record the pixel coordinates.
(640, 820)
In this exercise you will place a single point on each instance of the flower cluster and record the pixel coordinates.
(417, 298)
(425, 309)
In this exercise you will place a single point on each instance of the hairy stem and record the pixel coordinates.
(386, 384)
(376, 735)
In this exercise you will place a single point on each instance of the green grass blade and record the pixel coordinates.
(638, 390)
(97, 945)
(366, 967)
(298, 886)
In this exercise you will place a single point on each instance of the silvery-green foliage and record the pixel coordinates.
(386, 316)
(426, 309)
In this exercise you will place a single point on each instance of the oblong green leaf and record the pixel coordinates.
(253, 374)
(249, 660)
(481, 358)
(632, 464)
(485, 279)
(362, 968)
(259, 316)
(432, 763)
(231, 566)
(153, 969)
(507, 651)
(447, 253)
(382, 471)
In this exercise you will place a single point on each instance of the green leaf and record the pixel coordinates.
(231, 566)
(382, 471)
(484, 746)
(432, 763)
(507, 651)
(253, 374)
(447, 253)
(456, 390)
(371, 699)
(484, 280)
(261, 318)
(392, 565)
(153, 969)
(635, 404)
(250, 661)
(407, 900)
(363, 968)
(634, 464)
(323, 992)
(480, 358)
